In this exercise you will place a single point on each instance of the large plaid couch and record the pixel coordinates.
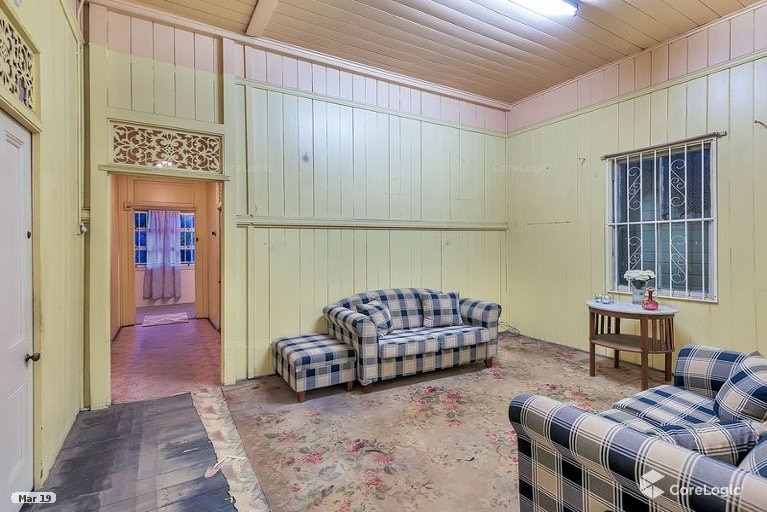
(572, 460)
(412, 348)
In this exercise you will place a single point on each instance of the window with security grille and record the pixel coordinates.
(662, 217)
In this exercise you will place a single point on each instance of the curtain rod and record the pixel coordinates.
(712, 135)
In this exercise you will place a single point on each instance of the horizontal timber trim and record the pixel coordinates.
(712, 70)
(19, 112)
(162, 172)
(244, 221)
(119, 115)
(255, 84)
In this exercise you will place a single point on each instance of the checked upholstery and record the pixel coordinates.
(410, 347)
(632, 456)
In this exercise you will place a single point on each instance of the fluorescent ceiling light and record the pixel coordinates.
(551, 7)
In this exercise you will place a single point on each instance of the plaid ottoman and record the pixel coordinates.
(312, 361)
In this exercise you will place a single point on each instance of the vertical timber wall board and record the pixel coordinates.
(557, 257)
(323, 161)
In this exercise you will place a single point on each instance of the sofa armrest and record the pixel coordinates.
(583, 447)
(358, 331)
(483, 314)
(704, 370)
(355, 323)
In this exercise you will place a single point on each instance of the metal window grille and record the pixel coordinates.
(186, 242)
(662, 217)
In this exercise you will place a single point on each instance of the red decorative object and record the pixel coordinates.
(650, 304)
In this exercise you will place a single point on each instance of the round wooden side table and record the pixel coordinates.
(656, 333)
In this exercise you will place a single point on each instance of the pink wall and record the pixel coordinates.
(141, 38)
(718, 42)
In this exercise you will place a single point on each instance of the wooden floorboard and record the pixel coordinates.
(141, 456)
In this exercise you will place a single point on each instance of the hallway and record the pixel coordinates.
(153, 362)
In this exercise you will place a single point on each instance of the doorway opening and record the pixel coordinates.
(165, 287)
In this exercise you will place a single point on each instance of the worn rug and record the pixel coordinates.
(170, 318)
(435, 442)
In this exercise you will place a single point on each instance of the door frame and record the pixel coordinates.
(125, 204)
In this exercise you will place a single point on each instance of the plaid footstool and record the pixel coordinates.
(312, 361)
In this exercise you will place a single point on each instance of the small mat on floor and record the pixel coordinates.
(172, 318)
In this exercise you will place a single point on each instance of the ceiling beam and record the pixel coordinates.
(260, 18)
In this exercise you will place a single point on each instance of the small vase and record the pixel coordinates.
(638, 291)
(650, 304)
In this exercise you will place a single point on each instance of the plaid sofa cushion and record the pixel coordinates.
(756, 460)
(404, 304)
(704, 370)
(664, 405)
(379, 314)
(744, 395)
(400, 343)
(457, 336)
(728, 442)
(441, 309)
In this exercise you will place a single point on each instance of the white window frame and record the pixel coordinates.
(137, 230)
(710, 279)
(181, 230)
(192, 230)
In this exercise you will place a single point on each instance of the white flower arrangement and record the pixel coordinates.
(639, 275)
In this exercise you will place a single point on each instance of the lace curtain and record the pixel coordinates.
(162, 279)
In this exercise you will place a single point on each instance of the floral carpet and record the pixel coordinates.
(435, 442)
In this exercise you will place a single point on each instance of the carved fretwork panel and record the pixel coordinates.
(161, 147)
(17, 63)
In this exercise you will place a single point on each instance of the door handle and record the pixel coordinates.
(34, 357)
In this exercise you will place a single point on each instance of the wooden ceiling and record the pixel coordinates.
(494, 48)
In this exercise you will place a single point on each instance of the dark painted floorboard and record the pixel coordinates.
(137, 457)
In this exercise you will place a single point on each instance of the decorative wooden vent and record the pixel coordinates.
(161, 147)
(17, 63)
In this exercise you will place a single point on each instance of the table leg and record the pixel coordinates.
(616, 358)
(644, 354)
(668, 367)
(670, 347)
(592, 348)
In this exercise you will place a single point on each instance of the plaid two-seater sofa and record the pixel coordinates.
(410, 347)
(621, 459)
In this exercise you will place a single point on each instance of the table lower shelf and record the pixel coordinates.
(627, 343)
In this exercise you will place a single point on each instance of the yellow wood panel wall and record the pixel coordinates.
(557, 196)
(362, 164)
(58, 246)
(325, 161)
(293, 273)
(316, 158)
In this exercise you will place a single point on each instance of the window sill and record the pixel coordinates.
(714, 300)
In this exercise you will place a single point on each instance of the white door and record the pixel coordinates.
(15, 311)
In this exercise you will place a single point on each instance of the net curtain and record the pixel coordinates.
(162, 279)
